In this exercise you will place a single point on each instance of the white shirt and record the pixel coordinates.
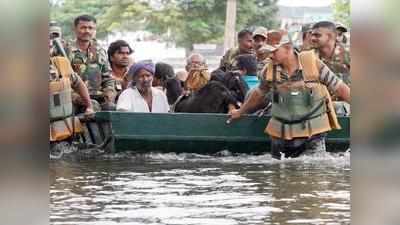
(131, 100)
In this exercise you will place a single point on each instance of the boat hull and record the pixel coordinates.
(195, 133)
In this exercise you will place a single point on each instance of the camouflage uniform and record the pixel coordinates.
(229, 62)
(260, 66)
(306, 44)
(121, 83)
(339, 63)
(93, 67)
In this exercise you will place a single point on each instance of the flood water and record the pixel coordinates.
(189, 189)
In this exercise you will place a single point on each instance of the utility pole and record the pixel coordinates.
(230, 23)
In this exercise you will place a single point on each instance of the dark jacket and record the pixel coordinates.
(214, 97)
(174, 90)
(234, 82)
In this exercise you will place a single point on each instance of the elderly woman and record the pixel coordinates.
(141, 96)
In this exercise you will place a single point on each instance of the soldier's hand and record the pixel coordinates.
(89, 112)
(77, 99)
(234, 115)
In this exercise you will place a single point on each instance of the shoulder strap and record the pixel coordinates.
(275, 93)
(63, 66)
(268, 72)
(308, 60)
(92, 51)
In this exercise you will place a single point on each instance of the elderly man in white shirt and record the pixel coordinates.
(141, 96)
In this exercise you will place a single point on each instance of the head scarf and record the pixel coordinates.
(145, 64)
(197, 78)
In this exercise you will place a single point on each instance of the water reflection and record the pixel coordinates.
(192, 189)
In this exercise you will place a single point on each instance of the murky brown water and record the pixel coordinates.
(191, 189)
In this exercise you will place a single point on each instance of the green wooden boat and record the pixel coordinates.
(191, 132)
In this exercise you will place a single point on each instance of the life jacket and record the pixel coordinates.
(60, 104)
(303, 107)
(63, 129)
(60, 91)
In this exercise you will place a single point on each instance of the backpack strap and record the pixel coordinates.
(92, 52)
(268, 72)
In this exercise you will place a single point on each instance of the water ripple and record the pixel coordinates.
(191, 189)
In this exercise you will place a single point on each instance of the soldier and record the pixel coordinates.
(89, 60)
(341, 37)
(54, 30)
(62, 79)
(118, 56)
(331, 52)
(306, 37)
(302, 110)
(245, 41)
(260, 36)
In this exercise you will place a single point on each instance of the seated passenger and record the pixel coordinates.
(181, 76)
(119, 57)
(165, 79)
(204, 96)
(239, 81)
(140, 96)
(195, 60)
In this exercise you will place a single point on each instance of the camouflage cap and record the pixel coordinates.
(260, 31)
(276, 38)
(55, 29)
(341, 27)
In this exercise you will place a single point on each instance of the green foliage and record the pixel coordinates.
(184, 22)
(199, 21)
(65, 12)
(342, 11)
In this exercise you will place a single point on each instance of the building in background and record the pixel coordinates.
(293, 17)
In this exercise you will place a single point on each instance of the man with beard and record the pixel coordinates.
(118, 56)
(245, 41)
(330, 51)
(89, 60)
(142, 97)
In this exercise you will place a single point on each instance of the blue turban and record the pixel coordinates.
(145, 64)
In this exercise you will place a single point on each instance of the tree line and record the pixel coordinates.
(184, 22)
